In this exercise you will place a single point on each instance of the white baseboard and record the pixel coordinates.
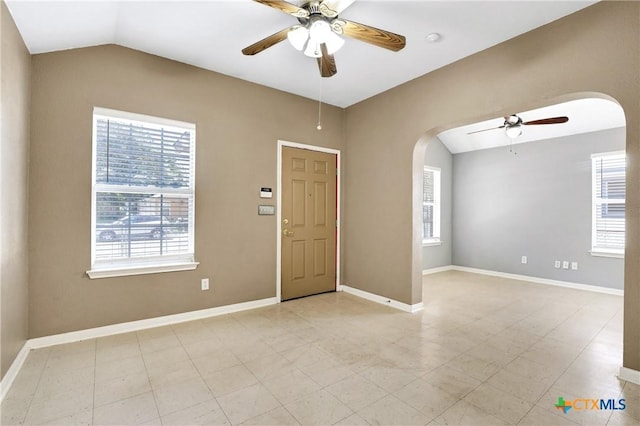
(438, 269)
(383, 300)
(567, 284)
(126, 327)
(109, 330)
(629, 375)
(12, 372)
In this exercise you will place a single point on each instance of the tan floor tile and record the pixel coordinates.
(13, 410)
(356, 392)
(216, 361)
(247, 403)
(131, 411)
(171, 374)
(318, 408)
(389, 378)
(452, 381)
(119, 388)
(276, 417)
(202, 414)
(463, 413)
(498, 403)
(108, 352)
(516, 385)
(119, 367)
(230, 380)
(291, 385)
(479, 369)
(426, 398)
(391, 411)
(537, 416)
(178, 396)
(327, 372)
(56, 405)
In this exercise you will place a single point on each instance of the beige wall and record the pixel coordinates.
(594, 50)
(238, 125)
(15, 65)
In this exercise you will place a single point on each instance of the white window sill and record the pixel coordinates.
(123, 271)
(431, 243)
(605, 253)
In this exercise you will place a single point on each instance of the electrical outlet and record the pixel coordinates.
(204, 284)
(524, 259)
(557, 264)
(565, 264)
(574, 266)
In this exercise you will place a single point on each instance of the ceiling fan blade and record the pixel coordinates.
(371, 35)
(326, 63)
(266, 42)
(553, 120)
(286, 7)
(331, 8)
(485, 130)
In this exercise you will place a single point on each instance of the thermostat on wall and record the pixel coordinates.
(266, 193)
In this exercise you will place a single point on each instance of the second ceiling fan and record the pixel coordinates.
(318, 32)
(513, 124)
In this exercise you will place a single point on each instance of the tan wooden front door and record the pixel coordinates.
(308, 222)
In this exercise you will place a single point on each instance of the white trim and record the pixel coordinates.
(567, 284)
(12, 372)
(629, 375)
(602, 253)
(438, 269)
(140, 270)
(336, 152)
(127, 327)
(383, 300)
(431, 243)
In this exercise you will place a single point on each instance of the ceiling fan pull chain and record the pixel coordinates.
(319, 126)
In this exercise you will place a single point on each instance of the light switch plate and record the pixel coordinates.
(266, 210)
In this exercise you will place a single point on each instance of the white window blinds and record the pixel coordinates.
(431, 204)
(609, 187)
(143, 190)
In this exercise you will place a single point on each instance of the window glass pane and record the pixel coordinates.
(427, 220)
(141, 154)
(141, 225)
(609, 194)
(428, 187)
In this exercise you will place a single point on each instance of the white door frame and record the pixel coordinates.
(281, 145)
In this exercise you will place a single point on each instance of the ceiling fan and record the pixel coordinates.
(318, 32)
(513, 124)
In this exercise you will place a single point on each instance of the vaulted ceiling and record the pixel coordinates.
(211, 35)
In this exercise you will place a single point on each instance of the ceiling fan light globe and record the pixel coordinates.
(513, 131)
(319, 31)
(334, 42)
(313, 49)
(298, 37)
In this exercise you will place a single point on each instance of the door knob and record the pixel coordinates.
(287, 233)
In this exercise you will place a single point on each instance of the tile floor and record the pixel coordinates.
(485, 350)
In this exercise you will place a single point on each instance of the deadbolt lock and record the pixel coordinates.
(285, 221)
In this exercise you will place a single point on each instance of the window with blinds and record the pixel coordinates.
(143, 190)
(609, 187)
(431, 205)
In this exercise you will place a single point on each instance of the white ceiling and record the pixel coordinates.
(585, 115)
(211, 34)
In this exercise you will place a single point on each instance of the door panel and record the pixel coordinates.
(308, 222)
